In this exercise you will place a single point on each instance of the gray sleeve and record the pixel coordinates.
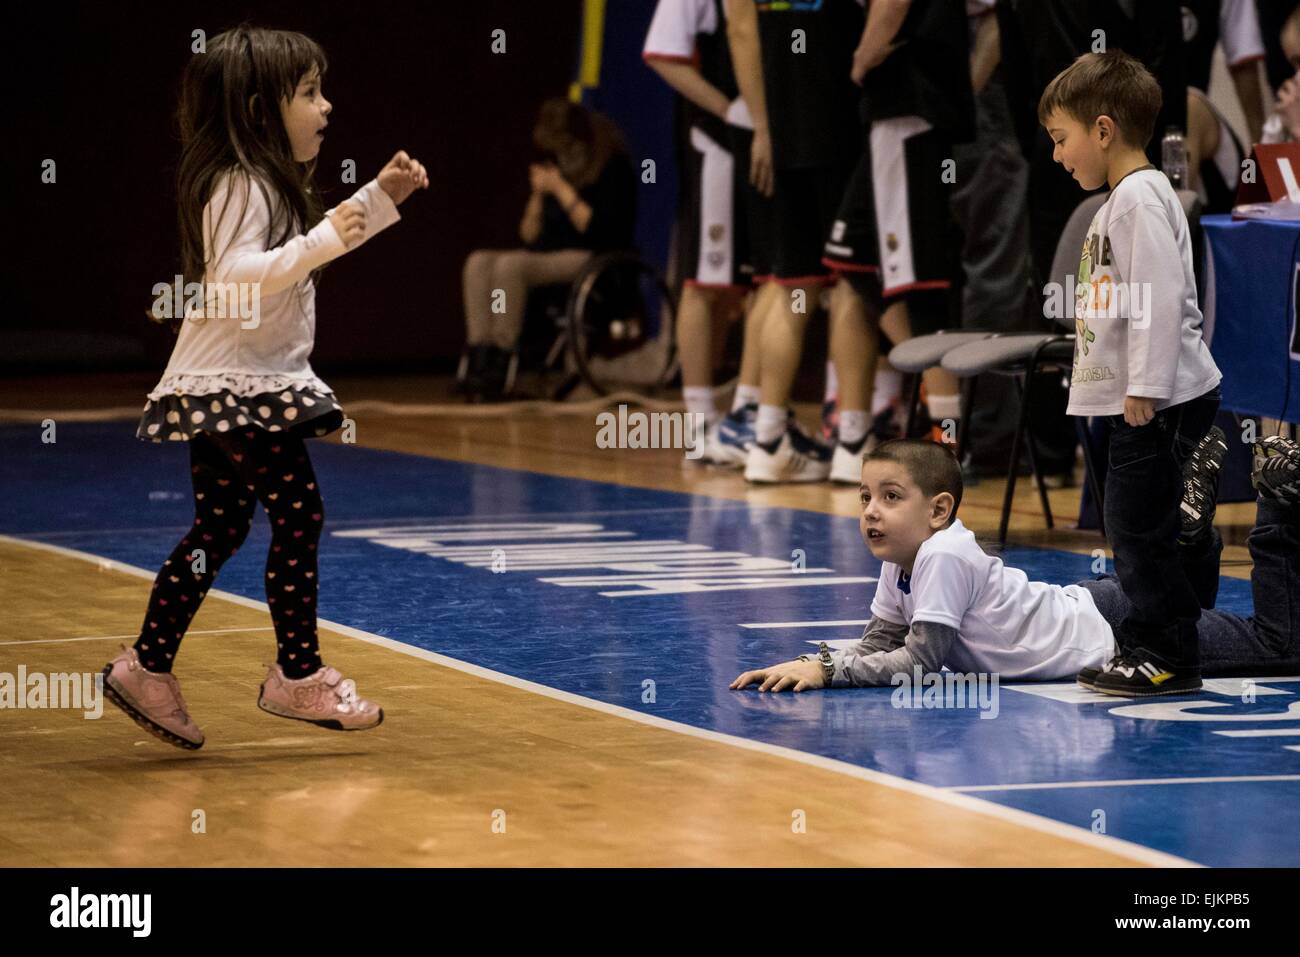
(880, 635)
(890, 650)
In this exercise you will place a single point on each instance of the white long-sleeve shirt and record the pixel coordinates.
(243, 356)
(1137, 321)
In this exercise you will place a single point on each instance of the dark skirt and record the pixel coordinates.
(304, 412)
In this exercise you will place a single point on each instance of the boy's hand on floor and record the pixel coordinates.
(1138, 411)
(799, 675)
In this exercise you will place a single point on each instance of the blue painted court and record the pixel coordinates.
(655, 601)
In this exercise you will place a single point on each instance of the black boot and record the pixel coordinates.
(475, 360)
(489, 384)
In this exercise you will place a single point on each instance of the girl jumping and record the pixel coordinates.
(239, 387)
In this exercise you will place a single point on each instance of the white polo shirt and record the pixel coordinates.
(1006, 624)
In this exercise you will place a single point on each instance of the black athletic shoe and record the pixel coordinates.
(1201, 485)
(1087, 677)
(1276, 473)
(1135, 675)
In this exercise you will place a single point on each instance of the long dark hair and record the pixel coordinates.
(229, 118)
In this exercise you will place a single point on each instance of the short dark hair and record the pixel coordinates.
(933, 467)
(1110, 83)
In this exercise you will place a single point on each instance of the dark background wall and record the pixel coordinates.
(94, 88)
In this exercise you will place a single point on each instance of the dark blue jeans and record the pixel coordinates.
(1269, 641)
(1166, 586)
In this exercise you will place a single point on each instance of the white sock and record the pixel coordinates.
(745, 395)
(832, 383)
(888, 387)
(699, 401)
(770, 425)
(853, 426)
(944, 407)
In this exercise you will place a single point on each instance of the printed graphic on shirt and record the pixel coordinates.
(1093, 296)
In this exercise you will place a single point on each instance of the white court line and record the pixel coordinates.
(381, 406)
(808, 624)
(401, 522)
(1080, 835)
(179, 526)
(1237, 687)
(480, 517)
(1072, 693)
(134, 635)
(1129, 782)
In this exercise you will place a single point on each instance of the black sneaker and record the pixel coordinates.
(1201, 485)
(1087, 677)
(1135, 675)
(1276, 473)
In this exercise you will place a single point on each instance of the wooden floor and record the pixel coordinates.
(460, 751)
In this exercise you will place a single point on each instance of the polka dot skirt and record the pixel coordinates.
(176, 418)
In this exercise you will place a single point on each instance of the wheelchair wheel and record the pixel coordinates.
(620, 325)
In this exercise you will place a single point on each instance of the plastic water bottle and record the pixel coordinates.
(1173, 157)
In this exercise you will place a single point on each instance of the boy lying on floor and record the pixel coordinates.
(942, 601)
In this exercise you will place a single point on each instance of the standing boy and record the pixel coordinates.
(1140, 359)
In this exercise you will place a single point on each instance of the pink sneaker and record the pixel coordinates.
(153, 701)
(325, 698)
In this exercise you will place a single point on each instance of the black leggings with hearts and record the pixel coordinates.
(231, 472)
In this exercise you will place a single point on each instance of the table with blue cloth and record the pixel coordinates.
(1250, 273)
(1252, 268)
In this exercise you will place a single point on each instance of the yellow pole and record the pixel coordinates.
(593, 35)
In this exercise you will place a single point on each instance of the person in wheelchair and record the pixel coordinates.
(583, 202)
